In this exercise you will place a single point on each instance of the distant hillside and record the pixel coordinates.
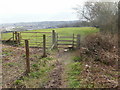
(35, 25)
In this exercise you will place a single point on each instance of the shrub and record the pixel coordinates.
(102, 48)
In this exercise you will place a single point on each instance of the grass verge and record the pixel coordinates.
(38, 76)
(73, 74)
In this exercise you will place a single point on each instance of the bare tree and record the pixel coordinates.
(103, 14)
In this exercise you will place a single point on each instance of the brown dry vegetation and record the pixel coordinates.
(100, 57)
(103, 48)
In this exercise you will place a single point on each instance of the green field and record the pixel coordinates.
(83, 31)
(61, 31)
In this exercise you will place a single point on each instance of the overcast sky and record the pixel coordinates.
(12, 11)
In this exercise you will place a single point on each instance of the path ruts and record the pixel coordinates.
(56, 77)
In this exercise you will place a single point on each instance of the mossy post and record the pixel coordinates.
(44, 46)
(78, 41)
(27, 57)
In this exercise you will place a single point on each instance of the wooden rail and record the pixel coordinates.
(64, 37)
(30, 36)
(54, 37)
(65, 40)
(25, 39)
(64, 44)
(35, 38)
(71, 38)
(35, 32)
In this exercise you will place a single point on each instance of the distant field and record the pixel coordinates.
(69, 31)
(83, 31)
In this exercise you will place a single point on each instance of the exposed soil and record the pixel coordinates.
(56, 77)
(13, 63)
(95, 72)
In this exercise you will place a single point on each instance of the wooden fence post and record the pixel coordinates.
(54, 40)
(53, 37)
(73, 41)
(18, 38)
(27, 56)
(44, 46)
(78, 41)
(13, 36)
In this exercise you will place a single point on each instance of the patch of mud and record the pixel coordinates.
(56, 77)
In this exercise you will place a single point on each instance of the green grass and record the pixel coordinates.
(78, 30)
(11, 64)
(6, 36)
(77, 58)
(38, 70)
(6, 52)
(83, 31)
(73, 74)
(18, 82)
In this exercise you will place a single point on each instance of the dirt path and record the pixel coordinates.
(57, 75)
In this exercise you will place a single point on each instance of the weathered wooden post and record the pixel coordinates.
(44, 46)
(119, 37)
(53, 36)
(78, 41)
(54, 39)
(73, 41)
(27, 56)
(13, 36)
(18, 38)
